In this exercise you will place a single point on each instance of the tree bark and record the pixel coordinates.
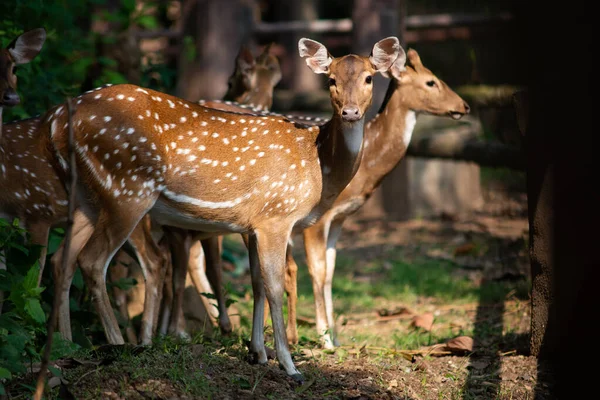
(296, 75)
(218, 29)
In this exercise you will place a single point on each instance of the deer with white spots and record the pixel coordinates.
(250, 90)
(140, 151)
(413, 90)
(21, 50)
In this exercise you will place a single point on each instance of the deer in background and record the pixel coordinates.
(413, 90)
(141, 151)
(21, 50)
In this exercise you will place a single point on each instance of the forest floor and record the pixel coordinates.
(433, 308)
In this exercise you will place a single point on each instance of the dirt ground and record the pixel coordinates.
(493, 363)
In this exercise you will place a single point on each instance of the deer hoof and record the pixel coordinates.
(298, 378)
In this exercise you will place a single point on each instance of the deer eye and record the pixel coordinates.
(331, 82)
(369, 79)
(430, 83)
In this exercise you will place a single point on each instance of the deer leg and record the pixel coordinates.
(118, 271)
(335, 230)
(167, 299)
(291, 289)
(107, 238)
(257, 351)
(180, 257)
(315, 238)
(270, 249)
(197, 266)
(153, 267)
(214, 268)
(38, 234)
(82, 230)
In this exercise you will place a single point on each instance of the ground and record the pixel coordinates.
(433, 308)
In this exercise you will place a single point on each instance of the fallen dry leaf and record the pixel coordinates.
(393, 384)
(424, 321)
(464, 249)
(460, 344)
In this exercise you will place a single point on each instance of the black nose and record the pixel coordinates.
(467, 108)
(10, 98)
(350, 113)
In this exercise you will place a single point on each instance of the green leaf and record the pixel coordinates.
(31, 279)
(147, 21)
(55, 371)
(34, 309)
(4, 373)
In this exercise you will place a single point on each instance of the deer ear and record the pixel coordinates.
(244, 60)
(399, 65)
(317, 57)
(384, 53)
(26, 46)
(414, 59)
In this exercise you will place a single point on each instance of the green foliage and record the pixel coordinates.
(23, 318)
(70, 56)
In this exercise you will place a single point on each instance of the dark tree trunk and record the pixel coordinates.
(296, 74)
(218, 29)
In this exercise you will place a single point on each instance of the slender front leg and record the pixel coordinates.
(153, 267)
(120, 270)
(197, 266)
(291, 290)
(167, 299)
(214, 268)
(335, 229)
(315, 239)
(271, 246)
(258, 353)
(82, 230)
(180, 257)
(38, 234)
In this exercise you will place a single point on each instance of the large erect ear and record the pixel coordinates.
(317, 56)
(399, 65)
(414, 59)
(244, 60)
(384, 53)
(26, 46)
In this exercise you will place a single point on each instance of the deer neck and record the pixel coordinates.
(387, 135)
(340, 147)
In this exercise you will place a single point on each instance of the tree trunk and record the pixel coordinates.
(296, 74)
(218, 28)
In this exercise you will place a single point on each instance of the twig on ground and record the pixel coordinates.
(71, 180)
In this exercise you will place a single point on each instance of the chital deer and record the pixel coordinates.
(21, 50)
(413, 90)
(140, 151)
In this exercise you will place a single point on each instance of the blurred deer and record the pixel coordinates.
(15, 196)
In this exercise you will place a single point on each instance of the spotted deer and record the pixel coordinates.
(20, 50)
(140, 151)
(413, 90)
(252, 80)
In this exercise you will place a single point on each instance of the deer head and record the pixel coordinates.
(21, 50)
(427, 93)
(350, 77)
(253, 79)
